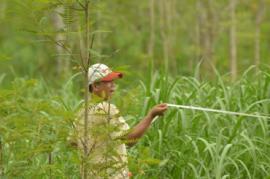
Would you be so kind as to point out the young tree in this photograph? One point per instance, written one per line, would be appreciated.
(85, 61)
(86, 39)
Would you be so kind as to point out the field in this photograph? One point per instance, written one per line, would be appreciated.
(211, 54)
(182, 144)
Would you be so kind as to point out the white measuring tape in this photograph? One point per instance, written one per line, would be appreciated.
(214, 110)
(217, 111)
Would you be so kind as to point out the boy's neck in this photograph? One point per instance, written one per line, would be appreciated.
(97, 98)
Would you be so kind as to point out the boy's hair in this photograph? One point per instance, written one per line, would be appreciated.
(90, 88)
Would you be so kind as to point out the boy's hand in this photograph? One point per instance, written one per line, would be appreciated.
(158, 110)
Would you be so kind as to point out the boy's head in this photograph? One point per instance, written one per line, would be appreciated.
(101, 80)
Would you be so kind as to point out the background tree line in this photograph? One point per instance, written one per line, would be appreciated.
(174, 35)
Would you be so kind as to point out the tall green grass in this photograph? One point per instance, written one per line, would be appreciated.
(194, 144)
(36, 120)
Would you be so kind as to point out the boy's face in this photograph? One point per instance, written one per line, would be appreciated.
(104, 89)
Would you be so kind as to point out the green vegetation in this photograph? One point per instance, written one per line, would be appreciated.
(192, 144)
(211, 54)
(35, 124)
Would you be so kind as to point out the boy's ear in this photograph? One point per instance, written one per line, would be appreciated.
(95, 86)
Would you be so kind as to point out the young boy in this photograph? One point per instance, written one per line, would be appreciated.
(107, 130)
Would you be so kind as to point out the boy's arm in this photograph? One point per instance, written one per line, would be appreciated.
(138, 131)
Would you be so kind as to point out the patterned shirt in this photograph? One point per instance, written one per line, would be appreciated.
(107, 154)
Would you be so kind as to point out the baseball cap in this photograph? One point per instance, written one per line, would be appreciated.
(101, 72)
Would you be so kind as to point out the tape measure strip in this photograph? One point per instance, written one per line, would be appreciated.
(217, 111)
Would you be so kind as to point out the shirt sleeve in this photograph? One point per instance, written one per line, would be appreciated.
(121, 128)
(124, 124)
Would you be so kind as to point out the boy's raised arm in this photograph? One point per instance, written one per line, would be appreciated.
(138, 131)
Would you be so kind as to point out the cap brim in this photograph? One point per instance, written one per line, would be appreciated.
(112, 76)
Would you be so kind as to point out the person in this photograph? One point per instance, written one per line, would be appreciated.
(108, 134)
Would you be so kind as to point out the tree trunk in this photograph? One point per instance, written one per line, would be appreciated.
(203, 37)
(258, 21)
(211, 30)
(3, 6)
(199, 31)
(59, 25)
(151, 44)
(98, 36)
(164, 34)
(233, 48)
(169, 12)
(207, 35)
